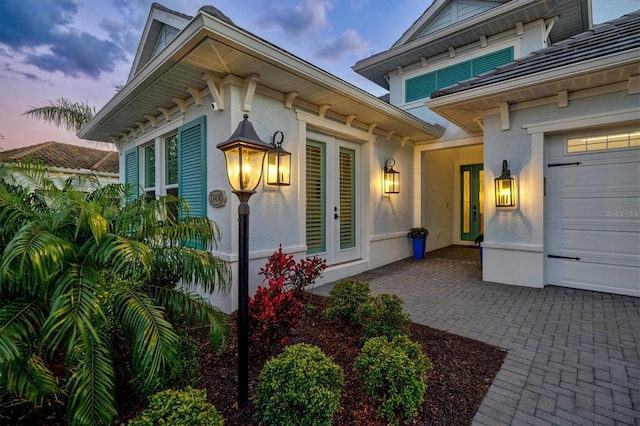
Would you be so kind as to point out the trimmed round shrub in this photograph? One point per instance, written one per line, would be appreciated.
(345, 298)
(301, 387)
(178, 408)
(383, 316)
(394, 374)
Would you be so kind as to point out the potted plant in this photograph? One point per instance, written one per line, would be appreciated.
(478, 240)
(419, 236)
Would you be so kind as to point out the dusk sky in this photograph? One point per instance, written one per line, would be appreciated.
(83, 49)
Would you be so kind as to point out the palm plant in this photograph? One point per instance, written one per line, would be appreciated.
(78, 271)
(64, 112)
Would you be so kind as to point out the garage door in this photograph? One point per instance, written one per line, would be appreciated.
(592, 212)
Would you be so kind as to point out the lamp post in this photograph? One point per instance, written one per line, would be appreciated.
(244, 154)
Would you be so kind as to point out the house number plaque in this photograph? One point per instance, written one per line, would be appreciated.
(217, 198)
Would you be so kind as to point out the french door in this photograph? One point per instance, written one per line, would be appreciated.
(472, 202)
(332, 192)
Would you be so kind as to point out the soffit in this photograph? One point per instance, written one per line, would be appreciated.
(573, 14)
(209, 45)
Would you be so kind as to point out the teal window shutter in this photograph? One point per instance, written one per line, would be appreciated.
(131, 175)
(420, 87)
(492, 60)
(451, 75)
(192, 170)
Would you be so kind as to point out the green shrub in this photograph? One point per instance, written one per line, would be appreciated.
(178, 408)
(345, 298)
(184, 373)
(299, 387)
(383, 316)
(394, 373)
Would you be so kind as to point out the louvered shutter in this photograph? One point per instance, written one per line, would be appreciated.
(315, 176)
(131, 175)
(192, 171)
(492, 60)
(347, 166)
(451, 75)
(420, 87)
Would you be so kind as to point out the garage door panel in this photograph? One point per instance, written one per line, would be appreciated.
(595, 276)
(592, 219)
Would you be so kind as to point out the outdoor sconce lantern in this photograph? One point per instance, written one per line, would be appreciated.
(505, 186)
(244, 153)
(391, 178)
(278, 162)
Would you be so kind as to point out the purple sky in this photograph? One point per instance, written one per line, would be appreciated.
(83, 49)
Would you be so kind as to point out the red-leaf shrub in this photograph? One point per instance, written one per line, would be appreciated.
(273, 312)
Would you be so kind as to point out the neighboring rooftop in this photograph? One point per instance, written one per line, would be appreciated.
(56, 154)
(605, 39)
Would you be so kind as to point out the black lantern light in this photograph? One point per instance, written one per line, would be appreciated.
(278, 162)
(244, 153)
(391, 183)
(505, 186)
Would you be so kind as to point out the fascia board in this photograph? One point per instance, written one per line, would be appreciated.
(427, 16)
(257, 47)
(442, 34)
(546, 77)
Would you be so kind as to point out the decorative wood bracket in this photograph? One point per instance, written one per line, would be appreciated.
(424, 61)
(197, 97)
(182, 104)
(125, 136)
(634, 85)
(249, 90)
(152, 119)
(141, 126)
(349, 119)
(213, 83)
(371, 127)
(400, 70)
(504, 115)
(166, 112)
(289, 98)
(322, 110)
(563, 98)
(479, 122)
(404, 140)
(483, 41)
(115, 140)
(452, 52)
(388, 135)
(133, 131)
(519, 28)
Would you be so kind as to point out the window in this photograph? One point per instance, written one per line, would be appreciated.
(603, 142)
(422, 86)
(167, 33)
(316, 221)
(150, 171)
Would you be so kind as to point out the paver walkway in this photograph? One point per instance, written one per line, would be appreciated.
(573, 355)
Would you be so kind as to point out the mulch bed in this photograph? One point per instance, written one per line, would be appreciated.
(463, 370)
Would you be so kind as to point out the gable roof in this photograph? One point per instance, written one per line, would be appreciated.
(159, 15)
(612, 37)
(74, 157)
(211, 48)
(574, 16)
(604, 56)
(434, 16)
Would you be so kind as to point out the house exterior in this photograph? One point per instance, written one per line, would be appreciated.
(527, 82)
(194, 78)
(65, 161)
(192, 81)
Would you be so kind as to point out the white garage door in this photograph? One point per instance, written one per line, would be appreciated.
(592, 213)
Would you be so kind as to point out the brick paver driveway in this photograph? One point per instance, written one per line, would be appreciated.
(573, 355)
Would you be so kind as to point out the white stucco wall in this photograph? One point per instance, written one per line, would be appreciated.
(514, 245)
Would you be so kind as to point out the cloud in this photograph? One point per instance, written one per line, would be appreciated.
(8, 70)
(334, 49)
(121, 34)
(41, 32)
(306, 17)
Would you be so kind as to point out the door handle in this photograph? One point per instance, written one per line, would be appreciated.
(474, 213)
(335, 213)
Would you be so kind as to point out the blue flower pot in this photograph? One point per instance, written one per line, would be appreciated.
(419, 246)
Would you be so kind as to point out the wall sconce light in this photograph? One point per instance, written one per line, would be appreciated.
(278, 162)
(391, 183)
(505, 186)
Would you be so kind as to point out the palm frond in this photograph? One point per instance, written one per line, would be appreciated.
(64, 113)
(32, 257)
(74, 308)
(150, 335)
(92, 385)
(20, 322)
(123, 256)
(31, 381)
(180, 303)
